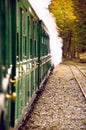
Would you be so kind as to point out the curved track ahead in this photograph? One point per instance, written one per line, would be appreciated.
(80, 78)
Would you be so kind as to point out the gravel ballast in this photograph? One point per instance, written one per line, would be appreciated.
(61, 105)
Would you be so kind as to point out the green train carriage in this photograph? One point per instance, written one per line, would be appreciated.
(25, 59)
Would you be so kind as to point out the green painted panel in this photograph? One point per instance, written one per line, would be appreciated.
(13, 33)
(20, 34)
(28, 38)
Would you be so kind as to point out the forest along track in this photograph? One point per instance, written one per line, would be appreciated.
(80, 78)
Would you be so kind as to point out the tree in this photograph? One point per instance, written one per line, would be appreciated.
(71, 23)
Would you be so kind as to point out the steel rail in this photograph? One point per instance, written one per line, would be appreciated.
(83, 92)
(80, 71)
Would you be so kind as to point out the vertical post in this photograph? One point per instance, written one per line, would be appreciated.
(39, 43)
(13, 31)
(2, 39)
(20, 41)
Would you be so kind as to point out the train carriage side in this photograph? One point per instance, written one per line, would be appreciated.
(24, 59)
(7, 60)
(44, 55)
(31, 58)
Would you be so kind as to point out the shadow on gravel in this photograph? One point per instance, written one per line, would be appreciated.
(23, 125)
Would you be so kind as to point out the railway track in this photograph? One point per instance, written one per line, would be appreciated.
(80, 78)
(61, 106)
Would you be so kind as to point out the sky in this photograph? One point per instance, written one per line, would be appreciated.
(41, 8)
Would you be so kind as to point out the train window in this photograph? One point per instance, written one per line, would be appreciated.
(31, 28)
(24, 32)
(35, 47)
(24, 27)
(45, 48)
(28, 38)
(24, 47)
(20, 34)
(6, 31)
(17, 47)
(30, 47)
(35, 39)
(42, 46)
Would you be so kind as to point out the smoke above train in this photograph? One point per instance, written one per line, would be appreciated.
(41, 8)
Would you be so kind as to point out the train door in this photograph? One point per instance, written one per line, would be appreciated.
(13, 57)
(33, 55)
(6, 62)
(3, 101)
(22, 56)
